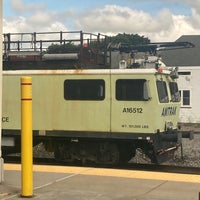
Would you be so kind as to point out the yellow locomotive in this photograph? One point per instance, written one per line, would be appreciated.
(98, 115)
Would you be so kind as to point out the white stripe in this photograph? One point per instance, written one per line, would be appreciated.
(83, 71)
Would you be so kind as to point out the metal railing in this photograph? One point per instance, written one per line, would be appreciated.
(78, 42)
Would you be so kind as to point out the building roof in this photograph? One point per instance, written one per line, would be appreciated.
(185, 56)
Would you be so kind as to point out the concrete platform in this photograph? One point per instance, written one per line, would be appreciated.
(83, 183)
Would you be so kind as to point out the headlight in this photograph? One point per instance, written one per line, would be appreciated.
(169, 125)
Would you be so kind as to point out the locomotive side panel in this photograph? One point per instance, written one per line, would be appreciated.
(144, 103)
(45, 101)
(11, 101)
(84, 103)
(132, 103)
(53, 109)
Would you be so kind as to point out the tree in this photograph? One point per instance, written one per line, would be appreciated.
(131, 39)
(70, 47)
(62, 48)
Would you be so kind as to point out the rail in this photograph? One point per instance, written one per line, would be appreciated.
(15, 159)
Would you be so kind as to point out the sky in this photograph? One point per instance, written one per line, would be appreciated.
(159, 20)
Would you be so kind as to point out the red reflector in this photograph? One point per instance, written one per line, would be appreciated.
(160, 69)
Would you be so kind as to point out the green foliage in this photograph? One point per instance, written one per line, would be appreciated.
(132, 39)
(62, 48)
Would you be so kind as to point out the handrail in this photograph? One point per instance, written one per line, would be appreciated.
(88, 46)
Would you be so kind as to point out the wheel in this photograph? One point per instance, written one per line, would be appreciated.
(58, 153)
(114, 154)
(127, 151)
(108, 154)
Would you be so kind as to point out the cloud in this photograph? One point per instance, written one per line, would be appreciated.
(32, 24)
(195, 4)
(32, 17)
(163, 26)
(40, 19)
(19, 6)
(109, 19)
(15, 25)
(112, 18)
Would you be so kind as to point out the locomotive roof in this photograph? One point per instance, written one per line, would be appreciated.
(85, 71)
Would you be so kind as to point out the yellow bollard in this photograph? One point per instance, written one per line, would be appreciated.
(26, 137)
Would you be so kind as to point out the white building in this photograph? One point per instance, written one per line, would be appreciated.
(188, 61)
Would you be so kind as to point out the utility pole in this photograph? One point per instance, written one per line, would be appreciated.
(1, 63)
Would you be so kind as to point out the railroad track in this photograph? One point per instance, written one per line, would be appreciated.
(128, 166)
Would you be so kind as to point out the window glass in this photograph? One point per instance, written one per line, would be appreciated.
(90, 89)
(186, 97)
(162, 91)
(132, 90)
(175, 96)
(184, 73)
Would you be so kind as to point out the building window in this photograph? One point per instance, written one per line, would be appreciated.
(184, 73)
(87, 89)
(185, 98)
(132, 90)
(162, 91)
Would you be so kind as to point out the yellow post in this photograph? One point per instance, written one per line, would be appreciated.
(26, 137)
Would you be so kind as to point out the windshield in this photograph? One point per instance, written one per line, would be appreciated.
(175, 96)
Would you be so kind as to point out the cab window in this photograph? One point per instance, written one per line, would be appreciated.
(162, 91)
(175, 95)
(132, 90)
(87, 89)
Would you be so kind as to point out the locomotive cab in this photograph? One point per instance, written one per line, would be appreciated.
(146, 109)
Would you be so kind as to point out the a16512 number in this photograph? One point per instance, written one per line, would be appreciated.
(132, 110)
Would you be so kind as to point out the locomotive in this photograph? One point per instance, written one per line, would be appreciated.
(97, 115)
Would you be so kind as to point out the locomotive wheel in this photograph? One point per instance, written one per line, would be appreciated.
(58, 153)
(114, 155)
(127, 151)
(108, 154)
(61, 153)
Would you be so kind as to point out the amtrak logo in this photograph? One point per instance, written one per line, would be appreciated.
(168, 111)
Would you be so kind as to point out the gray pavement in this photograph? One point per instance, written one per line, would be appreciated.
(76, 186)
